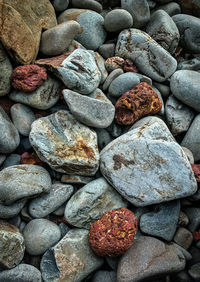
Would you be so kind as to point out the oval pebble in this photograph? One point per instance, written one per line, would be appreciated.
(117, 20)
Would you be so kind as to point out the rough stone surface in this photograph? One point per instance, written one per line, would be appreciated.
(71, 259)
(90, 202)
(146, 166)
(31, 180)
(117, 20)
(5, 72)
(66, 145)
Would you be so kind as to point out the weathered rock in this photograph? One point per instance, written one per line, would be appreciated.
(148, 56)
(11, 210)
(12, 245)
(114, 63)
(66, 145)
(71, 259)
(31, 180)
(117, 20)
(138, 166)
(5, 72)
(101, 65)
(90, 202)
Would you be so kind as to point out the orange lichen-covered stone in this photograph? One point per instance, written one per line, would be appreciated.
(196, 170)
(28, 78)
(113, 233)
(113, 63)
(137, 103)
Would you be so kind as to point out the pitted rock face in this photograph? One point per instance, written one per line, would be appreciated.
(65, 144)
(137, 103)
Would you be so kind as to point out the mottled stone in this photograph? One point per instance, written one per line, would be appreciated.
(75, 179)
(90, 202)
(5, 72)
(183, 237)
(12, 245)
(31, 181)
(71, 259)
(117, 20)
(66, 145)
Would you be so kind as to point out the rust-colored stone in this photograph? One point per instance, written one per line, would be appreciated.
(137, 103)
(196, 170)
(53, 62)
(28, 78)
(113, 233)
(129, 66)
(190, 7)
(114, 63)
(32, 159)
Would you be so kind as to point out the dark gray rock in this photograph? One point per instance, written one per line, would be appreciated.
(104, 275)
(11, 210)
(194, 272)
(60, 5)
(107, 50)
(13, 159)
(2, 158)
(101, 65)
(117, 20)
(192, 64)
(183, 237)
(193, 214)
(164, 89)
(112, 76)
(88, 4)
(104, 137)
(5, 72)
(171, 8)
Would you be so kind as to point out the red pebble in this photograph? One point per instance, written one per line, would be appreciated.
(129, 66)
(196, 170)
(27, 158)
(27, 78)
(113, 233)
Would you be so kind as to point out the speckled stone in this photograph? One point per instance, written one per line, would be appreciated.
(5, 72)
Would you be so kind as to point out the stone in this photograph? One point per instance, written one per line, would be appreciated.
(193, 214)
(113, 233)
(21, 25)
(11, 210)
(117, 20)
(184, 85)
(47, 203)
(138, 166)
(192, 64)
(192, 138)
(9, 138)
(75, 179)
(183, 219)
(162, 222)
(71, 259)
(79, 72)
(42, 98)
(31, 181)
(22, 117)
(90, 202)
(27, 158)
(164, 89)
(101, 65)
(178, 115)
(140, 101)
(28, 78)
(148, 56)
(149, 258)
(93, 34)
(88, 4)
(40, 235)
(13, 159)
(107, 50)
(2, 158)
(94, 110)
(57, 39)
(188, 27)
(194, 271)
(103, 137)
(163, 30)
(21, 273)
(66, 145)
(60, 5)
(139, 9)
(12, 245)
(114, 63)
(123, 83)
(190, 7)
(171, 8)
(104, 275)
(5, 72)
(151, 4)
(183, 237)
(111, 77)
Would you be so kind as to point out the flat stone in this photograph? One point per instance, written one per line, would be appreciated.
(66, 145)
(148, 56)
(71, 259)
(79, 72)
(11, 210)
(183, 237)
(40, 235)
(138, 166)
(90, 202)
(5, 72)
(32, 180)
(12, 245)
(162, 222)
(112, 76)
(42, 98)
(148, 258)
(94, 110)
(117, 20)
(60, 5)
(47, 203)
(75, 179)
(88, 4)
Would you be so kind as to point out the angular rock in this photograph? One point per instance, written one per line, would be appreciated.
(23, 181)
(71, 259)
(66, 145)
(90, 202)
(5, 72)
(148, 56)
(138, 166)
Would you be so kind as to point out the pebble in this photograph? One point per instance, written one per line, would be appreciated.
(2, 158)
(139, 9)
(60, 5)
(178, 115)
(56, 40)
(194, 271)
(183, 219)
(164, 89)
(93, 34)
(103, 136)
(31, 181)
(101, 65)
(60, 211)
(71, 259)
(66, 145)
(47, 203)
(40, 235)
(149, 57)
(151, 4)
(75, 179)
(171, 8)
(112, 76)
(79, 72)
(183, 237)
(162, 222)
(117, 20)
(139, 261)
(5, 72)
(22, 117)
(114, 63)
(192, 64)
(104, 275)
(88, 4)
(13, 159)
(150, 154)
(12, 245)
(42, 98)
(11, 210)
(90, 202)
(163, 30)
(193, 214)
(107, 50)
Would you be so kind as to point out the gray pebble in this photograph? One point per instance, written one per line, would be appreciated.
(192, 64)
(11, 210)
(114, 129)
(186, 254)
(107, 50)
(87, 4)
(2, 158)
(171, 8)
(16, 221)
(164, 89)
(5, 72)
(194, 271)
(75, 179)
(60, 211)
(101, 65)
(188, 154)
(104, 138)
(13, 159)
(151, 4)
(63, 229)
(40, 235)
(183, 237)
(114, 74)
(193, 214)
(104, 275)
(183, 219)
(162, 111)
(60, 5)
(117, 20)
